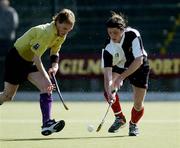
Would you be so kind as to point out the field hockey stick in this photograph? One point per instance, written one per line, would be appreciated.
(100, 125)
(58, 91)
(110, 104)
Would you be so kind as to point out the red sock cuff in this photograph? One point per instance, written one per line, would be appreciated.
(136, 115)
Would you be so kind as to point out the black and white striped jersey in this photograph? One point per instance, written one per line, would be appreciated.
(123, 54)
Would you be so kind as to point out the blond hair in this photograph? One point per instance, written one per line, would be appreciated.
(65, 16)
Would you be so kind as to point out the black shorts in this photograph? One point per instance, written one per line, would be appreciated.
(139, 78)
(16, 68)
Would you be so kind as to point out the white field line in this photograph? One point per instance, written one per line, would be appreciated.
(30, 121)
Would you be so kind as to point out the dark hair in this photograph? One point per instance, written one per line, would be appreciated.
(66, 16)
(116, 21)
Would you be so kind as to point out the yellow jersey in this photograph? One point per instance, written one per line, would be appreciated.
(37, 40)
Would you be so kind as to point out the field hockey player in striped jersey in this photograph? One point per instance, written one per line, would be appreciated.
(124, 58)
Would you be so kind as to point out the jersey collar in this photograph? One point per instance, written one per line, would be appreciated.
(54, 29)
(120, 43)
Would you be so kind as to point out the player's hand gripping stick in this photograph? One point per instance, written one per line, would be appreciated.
(110, 104)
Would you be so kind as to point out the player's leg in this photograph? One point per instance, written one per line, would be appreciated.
(139, 95)
(8, 93)
(139, 81)
(12, 72)
(38, 80)
(116, 107)
(48, 125)
(137, 110)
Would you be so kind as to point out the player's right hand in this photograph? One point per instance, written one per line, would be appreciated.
(49, 86)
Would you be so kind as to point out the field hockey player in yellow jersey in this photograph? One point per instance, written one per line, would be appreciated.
(23, 62)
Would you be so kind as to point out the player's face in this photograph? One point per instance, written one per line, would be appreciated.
(63, 29)
(115, 34)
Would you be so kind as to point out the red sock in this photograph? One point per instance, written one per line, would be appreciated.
(136, 115)
(116, 106)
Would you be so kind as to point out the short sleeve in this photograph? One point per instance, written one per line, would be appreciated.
(107, 58)
(38, 47)
(137, 47)
(38, 42)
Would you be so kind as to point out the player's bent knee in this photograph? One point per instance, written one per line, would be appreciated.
(6, 97)
(9, 98)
